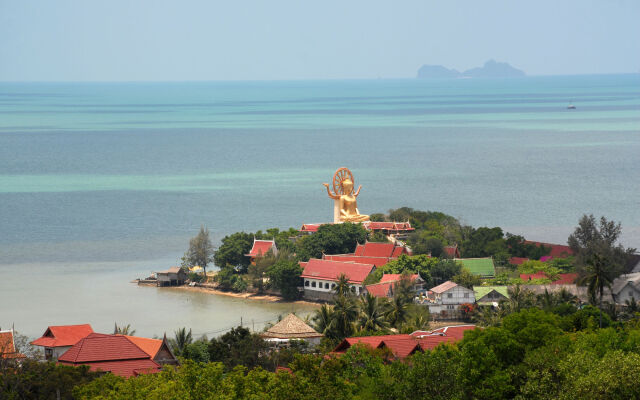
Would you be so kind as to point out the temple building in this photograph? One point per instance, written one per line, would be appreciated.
(320, 277)
(260, 248)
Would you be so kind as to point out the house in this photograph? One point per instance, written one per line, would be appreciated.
(518, 260)
(308, 229)
(58, 339)
(563, 279)
(446, 298)
(633, 263)
(174, 276)
(291, 328)
(110, 353)
(379, 249)
(625, 287)
(451, 251)
(8, 351)
(260, 248)
(404, 345)
(377, 261)
(397, 229)
(157, 349)
(490, 295)
(386, 286)
(320, 276)
(482, 267)
(557, 250)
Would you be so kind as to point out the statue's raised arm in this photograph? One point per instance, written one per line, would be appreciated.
(357, 191)
(333, 196)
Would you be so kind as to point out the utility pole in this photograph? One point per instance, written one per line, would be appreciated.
(241, 322)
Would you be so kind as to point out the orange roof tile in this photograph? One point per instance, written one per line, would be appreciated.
(63, 335)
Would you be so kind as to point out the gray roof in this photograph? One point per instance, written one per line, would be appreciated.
(620, 282)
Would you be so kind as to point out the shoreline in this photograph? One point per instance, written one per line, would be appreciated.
(249, 296)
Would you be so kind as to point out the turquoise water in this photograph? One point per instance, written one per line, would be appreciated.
(125, 173)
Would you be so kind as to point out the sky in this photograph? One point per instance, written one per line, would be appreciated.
(157, 40)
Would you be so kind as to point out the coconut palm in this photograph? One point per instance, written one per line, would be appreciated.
(323, 320)
(398, 311)
(488, 316)
(123, 330)
(518, 299)
(372, 312)
(598, 277)
(565, 296)
(345, 314)
(343, 288)
(181, 340)
(546, 300)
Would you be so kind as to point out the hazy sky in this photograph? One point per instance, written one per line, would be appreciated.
(302, 39)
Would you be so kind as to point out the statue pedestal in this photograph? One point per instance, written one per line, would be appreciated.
(336, 211)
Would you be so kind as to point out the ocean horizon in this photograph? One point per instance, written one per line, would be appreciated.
(110, 180)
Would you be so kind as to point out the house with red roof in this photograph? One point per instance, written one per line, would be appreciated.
(398, 229)
(157, 349)
(58, 339)
(557, 250)
(563, 279)
(386, 286)
(110, 353)
(378, 249)
(320, 277)
(403, 345)
(260, 248)
(308, 229)
(8, 351)
(451, 251)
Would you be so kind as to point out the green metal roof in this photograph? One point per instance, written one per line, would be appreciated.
(481, 291)
(478, 266)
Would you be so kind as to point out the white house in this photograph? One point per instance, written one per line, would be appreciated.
(447, 298)
(320, 277)
(626, 287)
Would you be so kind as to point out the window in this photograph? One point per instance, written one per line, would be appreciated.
(326, 285)
(451, 307)
(313, 284)
(466, 295)
(333, 285)
(449, 295)
(353, 289)
(306, 283)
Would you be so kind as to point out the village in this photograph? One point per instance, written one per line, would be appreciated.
(392, 287)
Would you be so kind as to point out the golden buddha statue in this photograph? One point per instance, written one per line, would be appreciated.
(345, 203)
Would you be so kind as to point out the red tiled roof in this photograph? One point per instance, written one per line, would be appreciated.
(456, 331)
(537, 275)
(443, 287)
(114, 353)
(376, 249)
(396, 277)
(63, 335)
(402, 347)
(373, 341)
(517, 260)
(331, 270)
(149, 346)
(557, 250)
(261, 247)
(310, 227)
(452, 251)
(124, 368)
(380, 289)
(563, 279)
(377, 261)
(389, 226)
(7, 346)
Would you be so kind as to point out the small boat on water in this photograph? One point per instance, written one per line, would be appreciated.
(571, 106)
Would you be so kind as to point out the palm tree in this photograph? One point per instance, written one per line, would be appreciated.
(371, 314)
(487, 316)
(546, 300)
(343, 288)
(398, 311)
(123, 330)
(345, 314)
(565, 296)
(518, 299)
(597, 278)
(181, 340)
(323, 320)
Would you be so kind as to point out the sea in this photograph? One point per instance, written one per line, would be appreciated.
(102, 183)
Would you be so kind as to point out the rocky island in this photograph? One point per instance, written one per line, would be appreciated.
(490, 69)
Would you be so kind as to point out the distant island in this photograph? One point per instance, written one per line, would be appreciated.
(490, 69)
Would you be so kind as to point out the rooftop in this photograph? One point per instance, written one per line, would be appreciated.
(331, 270)
(478, 266)
(63, 335)
(443, 287)
(291, 327)
(261, 247)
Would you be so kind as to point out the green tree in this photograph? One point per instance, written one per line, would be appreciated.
(343, 287)
(123, 330)
(197, 351)
(181, 339)
(201, 251)
(285, 276)
(598, 276)
(331, 239)
(372, 314)
(398, 311)
(467, 279)
(345, 315)
(237, 347)
(233, 249)
(323, 320)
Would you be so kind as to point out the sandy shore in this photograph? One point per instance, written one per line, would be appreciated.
(250, 296)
